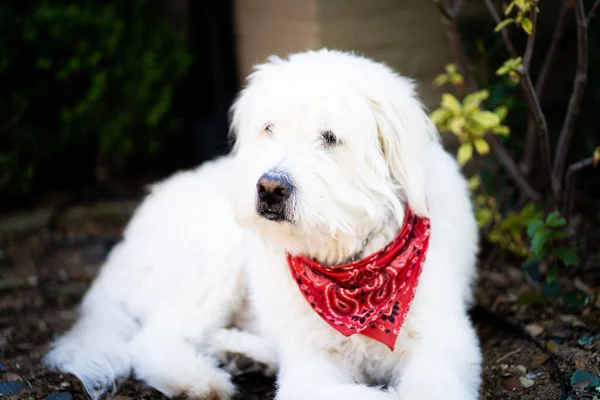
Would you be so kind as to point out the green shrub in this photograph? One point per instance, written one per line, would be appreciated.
(95, 78)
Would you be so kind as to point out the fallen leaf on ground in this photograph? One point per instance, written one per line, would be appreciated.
(552, 346)
(539, 359)
(512, 384)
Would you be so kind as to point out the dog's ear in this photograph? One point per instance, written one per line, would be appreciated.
(405, 131)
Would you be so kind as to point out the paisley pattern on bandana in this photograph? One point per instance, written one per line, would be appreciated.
(370, 296)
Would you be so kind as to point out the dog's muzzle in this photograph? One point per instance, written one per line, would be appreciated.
(273, 191)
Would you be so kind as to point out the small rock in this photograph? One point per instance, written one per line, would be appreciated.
(11, 376)
(521, 368)
(585, 339)
(533, 375)
(526, 382)
(534, 329)
(11, 387)
(582, 379)
(539, 359)
(512, 384)
(579, 364)
(552, 346)
(59, 396)
(503, 367)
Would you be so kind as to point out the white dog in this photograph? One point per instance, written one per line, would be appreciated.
(335, 159)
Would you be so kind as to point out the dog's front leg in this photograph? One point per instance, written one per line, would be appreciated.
(443, 362)
(310, 375)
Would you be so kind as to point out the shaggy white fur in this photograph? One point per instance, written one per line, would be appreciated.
(201, 273)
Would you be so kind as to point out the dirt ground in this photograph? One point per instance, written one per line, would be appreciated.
(48, 261)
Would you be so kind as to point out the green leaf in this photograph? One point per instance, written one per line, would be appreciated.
(567, 255)
(501, 130)
(539, 240)
(552, 275)
(456, 125)
(533, 227)
(465, 152)
(440, 80)
(501, 112)
(504, 23)
(486, 119)
(451, 104)
(555, 220)
(474, 182)
(473, 100)
(482, 146)
(596, 156)
(439, 116)
(527, 25)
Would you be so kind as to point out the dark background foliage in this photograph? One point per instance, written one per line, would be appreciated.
(87, 89)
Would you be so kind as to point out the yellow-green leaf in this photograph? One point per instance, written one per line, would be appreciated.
(440, 80)
(456, 79)
(474, 182)
(439, 116)
(473, 100)
(482, 146)
(501, 130)
(465, 152)
(504, 23)
(486, 119)
(514, 76)
(596, 156)
(501, 112)
(456, 125)
(527, 25)
(450, 103)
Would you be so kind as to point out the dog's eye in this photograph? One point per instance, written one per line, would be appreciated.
(268, 128)
(329, 139)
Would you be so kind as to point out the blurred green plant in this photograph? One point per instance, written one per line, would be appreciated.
(90, 77)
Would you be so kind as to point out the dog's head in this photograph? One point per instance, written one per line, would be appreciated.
(329, 147)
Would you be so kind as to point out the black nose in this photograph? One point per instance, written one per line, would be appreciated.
(273, 188)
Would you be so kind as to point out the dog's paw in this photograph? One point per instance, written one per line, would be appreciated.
(217, 387)
(239, 363)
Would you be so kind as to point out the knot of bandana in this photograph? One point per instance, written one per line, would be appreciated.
(370, 296)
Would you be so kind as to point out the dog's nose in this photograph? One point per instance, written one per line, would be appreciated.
(273, 188)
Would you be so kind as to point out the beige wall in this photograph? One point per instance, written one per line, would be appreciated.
(405, 34)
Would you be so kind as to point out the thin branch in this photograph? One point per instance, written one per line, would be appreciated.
(541, 127)
(504, 31)
(567, 205)
(592, 12)
(557, 36)
(564, 140)
(460, 57)
(530, 41)
(512, 169)
(548, 63)
(533, 104)
(449, 18)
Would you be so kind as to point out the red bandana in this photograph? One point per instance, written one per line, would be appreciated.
(370, 296)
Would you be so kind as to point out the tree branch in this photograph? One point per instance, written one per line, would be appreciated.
(592, 12)
(564, 140)
(541, 127)
(548, 63)
(504, 31)
(567, 203)
(449, 18)
(530, 41)
(460, 57)
(535, 110)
